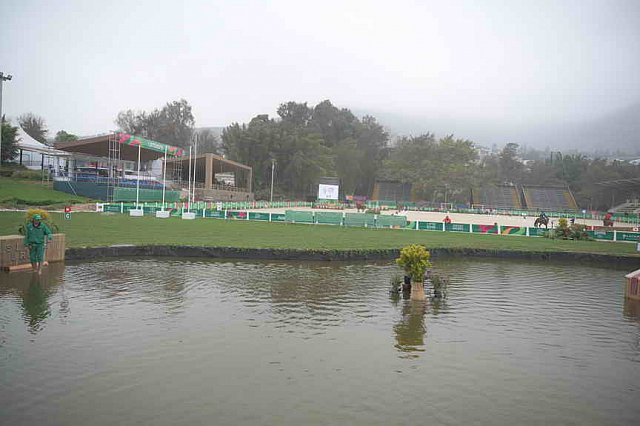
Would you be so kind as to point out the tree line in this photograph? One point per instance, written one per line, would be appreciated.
(307, 142)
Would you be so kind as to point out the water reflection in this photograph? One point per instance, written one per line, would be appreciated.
(140, 280)
(411, 330)
(631, 310)
(35, 291)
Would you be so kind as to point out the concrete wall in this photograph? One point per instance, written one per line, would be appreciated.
(13, 252)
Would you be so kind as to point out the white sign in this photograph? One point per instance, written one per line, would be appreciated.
(328, 192)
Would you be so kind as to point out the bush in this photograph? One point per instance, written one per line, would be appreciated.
(415, 261)
(27, 174)
(566, 232)
(45, 218)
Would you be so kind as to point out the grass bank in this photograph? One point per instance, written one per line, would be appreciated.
(97, 230)
(18, 192)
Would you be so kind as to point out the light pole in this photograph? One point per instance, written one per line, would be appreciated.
(3, 78)
(273, 167)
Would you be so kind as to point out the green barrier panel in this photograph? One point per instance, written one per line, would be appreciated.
(537, 232)
(628, 236)
(601, 235)
(298, 217)
(329, 218)
(278, 217)
(129, 194)
(391, 221)
(430, 226)
(485, 229)
(151, 210)
(113, 208)
(217, 214)
(239, 215)
(359, 219)
(513, 230)
(458, 227)
(258, 216)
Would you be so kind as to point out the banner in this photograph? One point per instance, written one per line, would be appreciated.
(513, 230)
(430, 226)
(131, 140)
(628, 236)
(457, 227)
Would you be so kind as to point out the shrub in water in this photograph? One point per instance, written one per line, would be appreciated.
(414, 259)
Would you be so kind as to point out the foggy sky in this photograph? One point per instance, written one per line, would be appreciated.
(513, 64)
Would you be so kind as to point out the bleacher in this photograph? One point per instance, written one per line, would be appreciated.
(389, 190)
(496, 197)
(549, 198)
(630, 207)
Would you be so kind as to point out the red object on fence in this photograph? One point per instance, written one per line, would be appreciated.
(67, 209)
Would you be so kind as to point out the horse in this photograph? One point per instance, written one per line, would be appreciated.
(541, 221)
(360, 206)
(607, 222)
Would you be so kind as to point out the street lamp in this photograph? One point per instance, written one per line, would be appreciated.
(3, 78)
(273, 167)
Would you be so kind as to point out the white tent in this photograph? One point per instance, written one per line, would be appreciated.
(38, 155)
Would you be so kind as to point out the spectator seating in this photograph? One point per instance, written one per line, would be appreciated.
(549, 198)
(497, 197)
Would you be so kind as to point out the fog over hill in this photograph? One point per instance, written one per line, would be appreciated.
(611, 133)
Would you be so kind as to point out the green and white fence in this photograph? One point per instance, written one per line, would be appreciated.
(362, 220)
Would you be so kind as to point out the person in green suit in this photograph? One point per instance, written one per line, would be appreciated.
(36, 236)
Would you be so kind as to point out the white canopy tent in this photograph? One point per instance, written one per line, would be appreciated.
(39, 155)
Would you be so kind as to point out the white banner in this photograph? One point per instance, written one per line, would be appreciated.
(328, 192)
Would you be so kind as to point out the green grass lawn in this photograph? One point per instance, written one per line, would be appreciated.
(92, 229)
(15, 192)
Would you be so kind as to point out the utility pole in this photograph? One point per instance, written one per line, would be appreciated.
(273, 167)
(3, 78)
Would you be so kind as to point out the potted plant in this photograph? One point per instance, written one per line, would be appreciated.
(414, 259)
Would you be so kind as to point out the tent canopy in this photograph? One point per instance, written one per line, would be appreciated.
(27, 143)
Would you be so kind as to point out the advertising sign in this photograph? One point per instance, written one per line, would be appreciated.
(327, 192)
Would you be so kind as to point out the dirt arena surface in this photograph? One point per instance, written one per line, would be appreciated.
(479, 219)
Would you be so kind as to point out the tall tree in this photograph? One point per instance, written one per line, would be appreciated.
(63, 136)
(9, 141)
(511, 168)
(208, 142)
(34, 126)
(437, 169)
(173, 124)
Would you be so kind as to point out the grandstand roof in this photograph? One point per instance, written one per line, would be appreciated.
(98, 146)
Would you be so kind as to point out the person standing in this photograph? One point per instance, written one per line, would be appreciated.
(36, 236)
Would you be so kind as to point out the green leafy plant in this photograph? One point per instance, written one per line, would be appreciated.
(565, 231)
(45, 218)
(414, 259)
(439, 284)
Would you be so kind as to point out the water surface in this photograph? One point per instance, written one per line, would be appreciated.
(165, 341)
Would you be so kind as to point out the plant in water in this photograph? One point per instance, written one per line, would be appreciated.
(439, 284)
(414, 259)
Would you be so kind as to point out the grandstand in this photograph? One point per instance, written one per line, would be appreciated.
(548, 198)
(629, 207)
(496, 197)
(391, 191)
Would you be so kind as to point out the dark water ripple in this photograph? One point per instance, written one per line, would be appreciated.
(197, 342)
